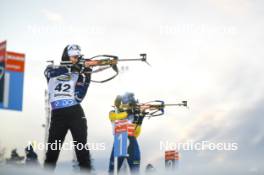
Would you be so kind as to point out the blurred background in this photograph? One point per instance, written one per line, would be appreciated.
(208, 52)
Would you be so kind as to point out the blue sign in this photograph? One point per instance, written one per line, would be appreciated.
(120, 144)
(12, 81)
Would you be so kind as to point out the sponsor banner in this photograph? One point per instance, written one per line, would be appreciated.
(2, 69)
(13, 81)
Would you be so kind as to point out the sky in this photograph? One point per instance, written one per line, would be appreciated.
(208, 52)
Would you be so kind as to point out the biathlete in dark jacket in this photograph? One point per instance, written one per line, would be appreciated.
(67, 88)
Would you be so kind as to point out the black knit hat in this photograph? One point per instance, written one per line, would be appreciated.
(65, 56)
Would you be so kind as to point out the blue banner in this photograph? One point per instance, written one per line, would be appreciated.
(120, 144)
(13, 80)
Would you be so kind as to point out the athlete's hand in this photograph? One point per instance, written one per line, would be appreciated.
(86, 64)
(90, 63)
(76, 68)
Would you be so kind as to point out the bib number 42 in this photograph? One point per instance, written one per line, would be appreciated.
(63, 87)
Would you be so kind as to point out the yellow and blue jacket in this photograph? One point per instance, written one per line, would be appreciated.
(133, 118)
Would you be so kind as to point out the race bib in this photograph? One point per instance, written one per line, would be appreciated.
(62, 90)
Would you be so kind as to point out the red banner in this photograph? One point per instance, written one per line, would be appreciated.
(125, 126)
(120, 126)
(2, 51)
(131, 129)
(15, 62)
(172, 155)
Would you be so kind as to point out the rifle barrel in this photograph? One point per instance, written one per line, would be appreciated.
(136, 59)
(179, 104)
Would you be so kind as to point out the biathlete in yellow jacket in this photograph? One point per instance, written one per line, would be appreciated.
(124, 110)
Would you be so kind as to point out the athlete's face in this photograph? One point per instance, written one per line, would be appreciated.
(74, 59)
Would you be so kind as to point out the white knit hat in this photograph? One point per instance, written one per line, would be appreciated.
(74, 50)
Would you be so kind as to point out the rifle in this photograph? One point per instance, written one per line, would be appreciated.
(156, 108)
(100, 63)
(150, 109)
